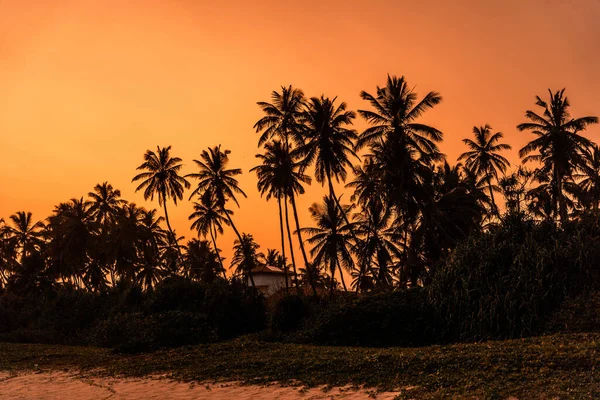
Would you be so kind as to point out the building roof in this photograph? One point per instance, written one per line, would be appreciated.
(268, 269)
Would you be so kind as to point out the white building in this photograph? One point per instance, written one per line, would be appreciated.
(268, 279)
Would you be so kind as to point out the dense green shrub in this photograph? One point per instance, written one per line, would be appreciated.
(507, 282)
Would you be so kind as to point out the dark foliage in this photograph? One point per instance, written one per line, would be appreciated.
(506, 283)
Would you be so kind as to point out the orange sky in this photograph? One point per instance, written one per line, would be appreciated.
(87, 86)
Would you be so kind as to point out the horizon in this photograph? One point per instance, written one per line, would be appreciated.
(87, 89)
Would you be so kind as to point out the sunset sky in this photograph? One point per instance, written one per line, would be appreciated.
(87, 86)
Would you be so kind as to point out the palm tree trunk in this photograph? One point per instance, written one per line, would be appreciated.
(494, 207)
(332, 194)
(171, 229)
(332, 269)
(342, 276)
(289, 233)
(287, 284)
(240, 239)
(302, 249)
(214, 240)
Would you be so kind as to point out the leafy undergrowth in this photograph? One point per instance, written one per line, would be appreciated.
(560, 365)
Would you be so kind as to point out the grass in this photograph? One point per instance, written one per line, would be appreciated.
(560, 365)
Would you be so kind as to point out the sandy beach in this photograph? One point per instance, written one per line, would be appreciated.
(62, 385)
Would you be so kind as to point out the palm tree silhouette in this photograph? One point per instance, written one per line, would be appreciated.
(208, 220)
(558, 146)
(201, 262)
(218, 182)
(245, 256)
(280, 176)
(162, 179)
(395, 111)
(329, 142)
(330, 237)
(282, 117)
(483, 157)
(105, 202)
(25, 233)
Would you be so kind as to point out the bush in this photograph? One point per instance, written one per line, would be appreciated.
(137, 332)
(401, 318)
(506, 283)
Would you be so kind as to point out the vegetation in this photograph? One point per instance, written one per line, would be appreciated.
(436, 252)
(557, 366)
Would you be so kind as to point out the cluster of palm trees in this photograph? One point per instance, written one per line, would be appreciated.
(409, 207)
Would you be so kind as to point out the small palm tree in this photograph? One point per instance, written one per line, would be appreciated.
(105, 202)
(162, 179)
(558, 147)
(218, 182)
(209, 219)
(246, 256)
(589, 179)
(201, 262)
(330, 237)
(25, 233)
(483, 157)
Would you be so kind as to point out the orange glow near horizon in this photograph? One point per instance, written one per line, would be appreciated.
(86, 87)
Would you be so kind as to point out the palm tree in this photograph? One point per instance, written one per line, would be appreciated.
(209, 220)
(558, 146)
(330, 237)
(245, 256)
(105, 202)
(395, 113)
(280, 176)
(25, 233)
(483, 157)
(589, 179)
(201, 262)
(218, 182)
(162, 179)
(330, 142)
(282, 117)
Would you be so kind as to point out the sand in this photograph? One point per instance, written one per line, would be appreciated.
(70, 386)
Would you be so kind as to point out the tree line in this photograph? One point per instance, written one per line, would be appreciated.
(408, 210)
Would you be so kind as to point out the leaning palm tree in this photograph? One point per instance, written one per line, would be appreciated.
(331, 237)
(330, 141)
(105, 202)
(209, 219)
(162, 179)
(558, 146)
(281, 119)
(246, 256)
(218, 182)
(483, 157)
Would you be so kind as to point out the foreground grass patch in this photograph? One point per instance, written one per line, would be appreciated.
(564, 366)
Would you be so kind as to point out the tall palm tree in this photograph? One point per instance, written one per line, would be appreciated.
(25, 233)
(162, 179)
(558, 146)
(282, 117)
(246, 256)
(280, 176)
(483, 157)
(330, 237)
(218, 182)
(209, 219)
(330, 141)
(105, 202)
(395, 113)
